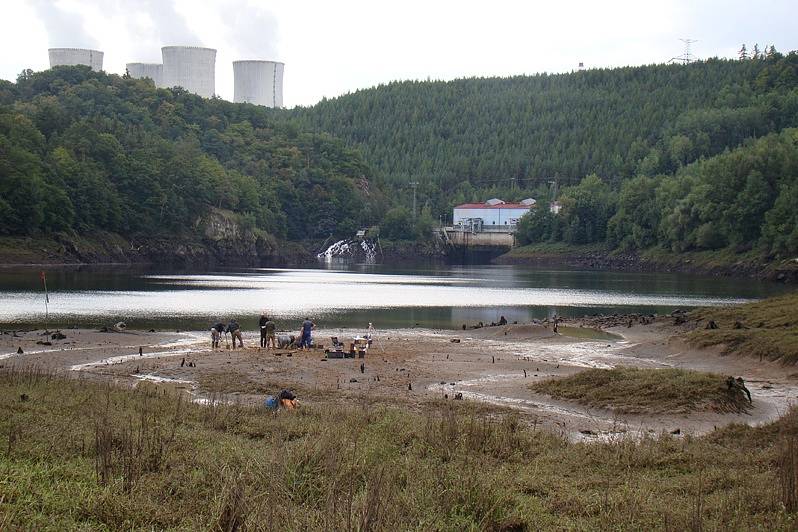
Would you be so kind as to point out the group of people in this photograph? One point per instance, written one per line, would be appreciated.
(232, 328)
(268, 335)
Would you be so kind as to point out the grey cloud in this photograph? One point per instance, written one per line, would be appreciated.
(170, 26)
(252, 31)
(64, 28)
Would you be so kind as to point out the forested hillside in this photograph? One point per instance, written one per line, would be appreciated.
(612, 122)
(744, 199)
(81, 150)
(682, 157)
(650, 146)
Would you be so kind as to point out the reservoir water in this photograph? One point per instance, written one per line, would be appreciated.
(351, 295)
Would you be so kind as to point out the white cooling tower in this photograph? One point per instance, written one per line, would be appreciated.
(258, 82)
(154, 71)
(76, 56)
(190, 67)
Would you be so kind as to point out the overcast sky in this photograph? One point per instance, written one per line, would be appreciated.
(331, 47)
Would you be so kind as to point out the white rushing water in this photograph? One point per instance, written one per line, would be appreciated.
(338, 249)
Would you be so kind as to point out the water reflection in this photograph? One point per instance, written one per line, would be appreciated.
(353, 295)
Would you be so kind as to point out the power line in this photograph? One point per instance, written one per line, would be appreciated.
(687, 56)
(514, 180)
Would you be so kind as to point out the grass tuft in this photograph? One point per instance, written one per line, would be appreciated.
(636, 391)
(765, 329)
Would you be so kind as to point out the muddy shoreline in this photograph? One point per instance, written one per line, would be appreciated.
(492, 366)
(101, 250)
(62, 251)
(219, 241)
(785, 271)
(109, 249)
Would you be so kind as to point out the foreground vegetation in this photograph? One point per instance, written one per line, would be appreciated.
(765, 329)
(78, 454)
(652, 391)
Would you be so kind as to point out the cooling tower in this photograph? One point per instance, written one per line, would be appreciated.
(76, 56)
(190, 67)
(258, 82)
(154, 71)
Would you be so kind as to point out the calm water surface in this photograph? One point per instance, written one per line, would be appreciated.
(438, 296)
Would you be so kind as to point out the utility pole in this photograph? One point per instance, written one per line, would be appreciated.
(414, 184)
(553, 184)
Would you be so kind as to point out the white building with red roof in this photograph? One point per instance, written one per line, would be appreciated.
(492, 213)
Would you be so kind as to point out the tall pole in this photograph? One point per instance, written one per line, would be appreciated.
(414, 184)
(688, 57)
(43, 277)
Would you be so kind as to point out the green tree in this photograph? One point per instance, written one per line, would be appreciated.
(586, 209)
(780, 231)
(537, 225)
(636, 222)
(398, 224)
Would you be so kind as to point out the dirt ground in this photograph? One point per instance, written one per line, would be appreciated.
(492, 365)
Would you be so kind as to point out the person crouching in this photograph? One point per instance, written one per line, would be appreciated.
(216, 334)
(286, 341)
(235, 332)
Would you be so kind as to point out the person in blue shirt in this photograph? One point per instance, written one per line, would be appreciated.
(305, 333)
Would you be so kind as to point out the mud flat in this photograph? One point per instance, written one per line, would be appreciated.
(493, 366)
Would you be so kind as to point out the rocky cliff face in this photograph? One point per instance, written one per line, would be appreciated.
(227, 240)
(220, 238)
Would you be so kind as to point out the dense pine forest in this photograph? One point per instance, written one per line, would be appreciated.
(693, 156)
(83, 151)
